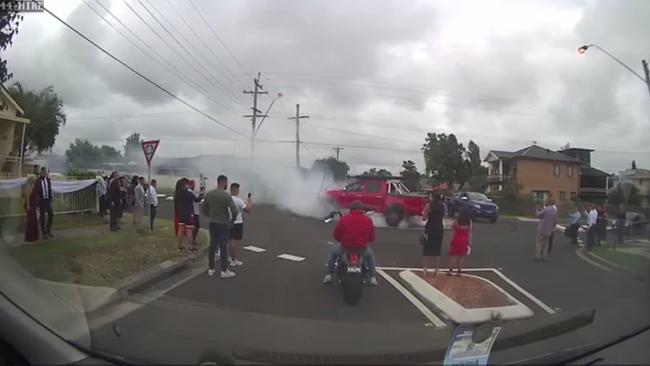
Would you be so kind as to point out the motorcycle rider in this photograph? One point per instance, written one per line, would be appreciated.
(354, 231)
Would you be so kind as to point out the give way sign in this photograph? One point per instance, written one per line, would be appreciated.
(149, 148)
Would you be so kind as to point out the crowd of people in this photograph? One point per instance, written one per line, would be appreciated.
(116, 195)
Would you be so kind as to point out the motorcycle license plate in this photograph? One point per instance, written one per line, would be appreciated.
(354, 270)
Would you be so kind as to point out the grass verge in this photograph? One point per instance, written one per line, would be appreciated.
(100, 260)
(634, 263)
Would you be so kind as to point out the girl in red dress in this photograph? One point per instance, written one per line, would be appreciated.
(31, 228)
(460, 243)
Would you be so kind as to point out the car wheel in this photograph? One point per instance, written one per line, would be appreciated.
(394, 216)
(493, 220)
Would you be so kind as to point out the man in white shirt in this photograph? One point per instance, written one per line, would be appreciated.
(196, 212)
(138, 203)
(152, 199)
(101, 189)
(237, 231)
(592, 217)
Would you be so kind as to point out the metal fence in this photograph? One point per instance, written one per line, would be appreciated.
(12, 202)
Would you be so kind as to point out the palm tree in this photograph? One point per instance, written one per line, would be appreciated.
(44, 109)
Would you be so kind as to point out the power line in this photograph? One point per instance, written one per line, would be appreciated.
(205, 45)
(207, 71)
(171, 68)
(419, 89)
(222, 103)
(138, 73)
(220, 40)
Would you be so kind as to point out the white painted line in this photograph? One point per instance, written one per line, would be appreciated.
(291, 257)
(439, 324)
(524, 292)
(441, 269)
(459, 313)
(499, 273)
(255, 249)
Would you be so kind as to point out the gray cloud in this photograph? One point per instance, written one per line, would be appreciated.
(362, 65)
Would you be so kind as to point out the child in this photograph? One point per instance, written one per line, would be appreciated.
(460, 242)
(619, 229)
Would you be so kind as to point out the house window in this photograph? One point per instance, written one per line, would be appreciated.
(562, 196)
(556, 170)
(569, 170)
(540, 196)
(573, 196)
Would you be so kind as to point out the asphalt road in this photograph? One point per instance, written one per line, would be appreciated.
(278, 305)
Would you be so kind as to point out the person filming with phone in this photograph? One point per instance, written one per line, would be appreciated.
(237, 232)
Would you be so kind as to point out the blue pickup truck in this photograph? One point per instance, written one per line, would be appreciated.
(477, 203)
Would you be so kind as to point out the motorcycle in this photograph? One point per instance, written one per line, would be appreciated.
(352, 272)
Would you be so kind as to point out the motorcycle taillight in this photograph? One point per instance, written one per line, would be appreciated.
(354, 259)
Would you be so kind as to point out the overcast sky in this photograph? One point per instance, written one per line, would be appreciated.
(375, 73)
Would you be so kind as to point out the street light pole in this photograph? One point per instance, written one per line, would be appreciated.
(644, 63)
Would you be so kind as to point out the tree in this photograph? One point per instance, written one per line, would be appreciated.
(83, 154)
(133, 148)
(410, 175)
(373, 172)
(478, 173)
(44, 110)
(338, 169)
(633, 165)
(9, 21)
(443, 156)
(617, 195)
(110, 154)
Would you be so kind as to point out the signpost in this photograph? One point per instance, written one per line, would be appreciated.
(149, 148)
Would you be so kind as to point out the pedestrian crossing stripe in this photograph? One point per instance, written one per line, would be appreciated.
(255, 249)
(291, 257)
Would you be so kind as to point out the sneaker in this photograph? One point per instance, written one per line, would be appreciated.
(373, 281)
(236, 263)
(327, 279)
(227, 274)
(211, 272)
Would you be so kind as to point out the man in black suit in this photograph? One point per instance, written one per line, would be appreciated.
(44, 194)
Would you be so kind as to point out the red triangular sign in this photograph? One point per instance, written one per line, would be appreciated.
(149, 148)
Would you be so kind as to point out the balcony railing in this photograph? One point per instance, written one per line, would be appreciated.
(593, 190)
(496, 178)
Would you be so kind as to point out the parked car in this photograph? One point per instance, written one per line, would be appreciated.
(384, 195)
(477, 203)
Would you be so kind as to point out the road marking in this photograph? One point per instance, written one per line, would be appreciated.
(441, 269)
(255, 249)
(496, 271)
(530, 296)
(290, 257)
(439, 324)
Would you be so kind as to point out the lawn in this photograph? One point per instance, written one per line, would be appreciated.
(634, 263)
(103, 259)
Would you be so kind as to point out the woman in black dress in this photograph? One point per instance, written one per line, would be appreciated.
(433, 230)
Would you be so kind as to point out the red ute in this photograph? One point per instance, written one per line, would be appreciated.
(386, 195)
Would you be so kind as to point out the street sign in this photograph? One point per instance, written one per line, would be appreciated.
(149, 149)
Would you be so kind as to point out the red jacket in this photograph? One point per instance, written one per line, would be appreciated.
(355, 230)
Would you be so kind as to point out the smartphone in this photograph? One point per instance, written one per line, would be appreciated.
(250, 195)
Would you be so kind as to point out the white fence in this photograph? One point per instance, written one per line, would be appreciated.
(12, 202)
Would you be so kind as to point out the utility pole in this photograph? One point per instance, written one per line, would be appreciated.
(647, 73)
(258, 89)
(337, 149)
(297, 118)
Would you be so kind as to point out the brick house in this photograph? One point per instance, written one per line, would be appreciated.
(593, 182)
(541, 172)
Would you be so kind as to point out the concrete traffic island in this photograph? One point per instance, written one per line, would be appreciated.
(465, 299)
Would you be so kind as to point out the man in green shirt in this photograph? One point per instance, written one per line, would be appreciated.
(221, 211)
